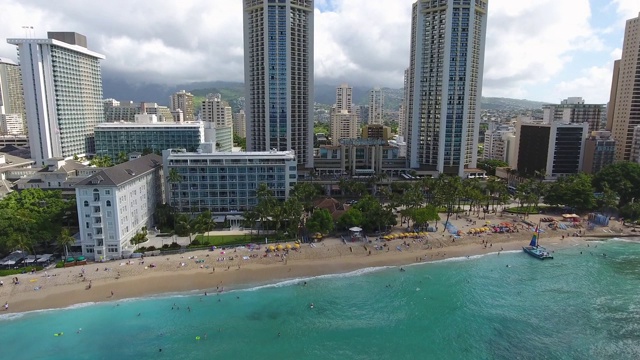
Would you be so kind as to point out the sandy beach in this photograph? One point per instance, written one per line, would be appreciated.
(213, 271)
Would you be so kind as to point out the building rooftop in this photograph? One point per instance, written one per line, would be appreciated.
(238, 155)
(7, 61)
(128, 124)
(77, 48)
(122, 173)
(11, 161)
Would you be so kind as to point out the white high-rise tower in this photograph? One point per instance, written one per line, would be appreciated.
(376, 106)
(445, 82)
(278, 68)
(62, 92)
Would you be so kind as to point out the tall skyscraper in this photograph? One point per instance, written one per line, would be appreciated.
(376, 106)
(404, 113)
(445, 81)
(11, 93)
(183, 100)
(344, 98)
(278, 75)
(624, 109)
(63, 94)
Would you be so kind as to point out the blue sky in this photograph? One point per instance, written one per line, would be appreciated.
(543, 50)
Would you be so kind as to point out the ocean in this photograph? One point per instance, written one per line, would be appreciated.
(509, 306)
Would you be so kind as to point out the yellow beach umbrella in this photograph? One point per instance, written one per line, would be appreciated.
(288, 246)
(279, 247)
(296, 245)
(272, 248)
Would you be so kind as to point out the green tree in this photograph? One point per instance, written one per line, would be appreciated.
(305, 193)
(631, 213)
(265, 206)
(35, 214)
(147, 151)
(164, 215)
(574, 191)
(351, 217)
(65, 240)
(423, 215)
(140, 237)
(607, 200)
(374, 215)
(101, 161)
(448, 191)
(490, 165)
(122, 157)
(622, 178)
(240, 141)
(320, 221)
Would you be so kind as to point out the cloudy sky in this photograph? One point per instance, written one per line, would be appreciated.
(542, 50)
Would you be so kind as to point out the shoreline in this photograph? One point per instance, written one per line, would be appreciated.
(182, 275)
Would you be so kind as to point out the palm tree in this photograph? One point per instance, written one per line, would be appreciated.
(174, 176)
(122, 157)
(266, 203)
(65, 240)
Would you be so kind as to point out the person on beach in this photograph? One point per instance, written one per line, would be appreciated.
(6, 306)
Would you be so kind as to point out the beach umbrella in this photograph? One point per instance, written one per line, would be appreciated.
(279, 247)
(296, 245)
(272, 248)
(288, 246)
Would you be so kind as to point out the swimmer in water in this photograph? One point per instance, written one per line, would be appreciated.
(311, 306)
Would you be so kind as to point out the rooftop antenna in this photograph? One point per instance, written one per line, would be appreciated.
(28, 31)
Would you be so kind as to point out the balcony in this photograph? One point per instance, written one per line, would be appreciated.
(97, 225)
(96, 214)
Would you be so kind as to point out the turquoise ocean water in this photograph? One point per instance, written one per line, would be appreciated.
(577, 306)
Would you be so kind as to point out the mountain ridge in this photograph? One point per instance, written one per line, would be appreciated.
(323, 94)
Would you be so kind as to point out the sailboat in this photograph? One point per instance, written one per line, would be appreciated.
(536, 250)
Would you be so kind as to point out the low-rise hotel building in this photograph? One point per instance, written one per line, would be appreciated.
(115, 204)
(225, 182)
(146, 134)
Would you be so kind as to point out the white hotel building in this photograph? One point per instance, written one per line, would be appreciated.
(62, 94)
(226, 182)
(116, 203)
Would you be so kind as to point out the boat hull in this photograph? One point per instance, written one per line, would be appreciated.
(537, 252)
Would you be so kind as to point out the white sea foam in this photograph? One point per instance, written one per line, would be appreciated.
(297, 281)
(628, 240)
(464, 258)
(15, 316)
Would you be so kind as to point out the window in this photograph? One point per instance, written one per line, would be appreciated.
(87, 224)
(107, 192)
(86, 203)
(108, 202)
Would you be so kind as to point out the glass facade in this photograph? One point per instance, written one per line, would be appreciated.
(111, 140)
(225, 183)
(279, 75)
(445, 80)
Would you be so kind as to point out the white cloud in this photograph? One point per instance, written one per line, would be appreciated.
(531, 42)
(627, 8)
(593, 85)
(362, 42)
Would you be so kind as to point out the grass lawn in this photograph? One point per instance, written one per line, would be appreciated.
(225, 240)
